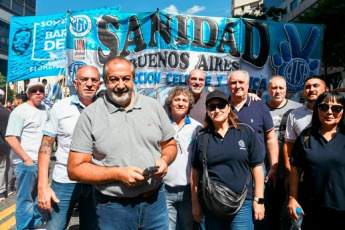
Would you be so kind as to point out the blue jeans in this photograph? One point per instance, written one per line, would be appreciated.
(132, 213)
(179, 204)
(69, 195)
(243, 220)
(28, 214)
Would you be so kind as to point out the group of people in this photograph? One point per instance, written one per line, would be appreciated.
(290, 155)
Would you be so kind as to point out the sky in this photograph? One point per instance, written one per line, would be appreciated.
(212, 8)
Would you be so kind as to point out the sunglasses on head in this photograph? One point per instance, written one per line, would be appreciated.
(334, 108)
(35, 90)
(220, 105)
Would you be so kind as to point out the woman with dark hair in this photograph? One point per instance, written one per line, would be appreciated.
(319, 152)
(232, 156)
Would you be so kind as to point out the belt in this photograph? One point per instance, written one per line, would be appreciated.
(142, 195)
(148, 193)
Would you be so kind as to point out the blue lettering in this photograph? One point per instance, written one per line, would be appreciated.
(208, 80)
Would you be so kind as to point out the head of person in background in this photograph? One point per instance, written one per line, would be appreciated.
(44, 81)
(35, 92)
(178, 103)
(87, 82)
(118, 77)
(196, 82)
(238, 83)
(314, 86)
(329, 112)
(9, 104)
(277, 91)
(20, 99)
(218, 111)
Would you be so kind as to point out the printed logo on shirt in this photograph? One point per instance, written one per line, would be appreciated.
(242, 145)
(251, 120)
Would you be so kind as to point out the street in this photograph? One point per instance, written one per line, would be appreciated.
(7, 211)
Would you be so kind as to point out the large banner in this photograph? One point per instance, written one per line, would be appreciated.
(37, 47)
(166, 47)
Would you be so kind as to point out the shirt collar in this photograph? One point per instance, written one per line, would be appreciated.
(186, 121)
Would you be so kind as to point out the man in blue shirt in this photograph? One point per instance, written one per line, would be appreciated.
(257, 115)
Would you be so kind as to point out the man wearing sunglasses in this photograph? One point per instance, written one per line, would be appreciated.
(24, 135)
(61, 197)
(300, 118)
(256, 115)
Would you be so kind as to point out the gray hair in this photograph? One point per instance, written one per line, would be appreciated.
(243, 71)
(105, 67)
(175, 92)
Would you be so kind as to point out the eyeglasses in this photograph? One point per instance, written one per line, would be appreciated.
(35, 90)
(335, 108)
(220, 105)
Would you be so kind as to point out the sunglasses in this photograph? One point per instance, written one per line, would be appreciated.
(334, 108)
(35, 90)
(220, 105)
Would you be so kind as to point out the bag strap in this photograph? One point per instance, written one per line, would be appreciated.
(204, 162)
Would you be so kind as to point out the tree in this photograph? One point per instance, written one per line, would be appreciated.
(330, 14)
(262, 13)
(10, 94)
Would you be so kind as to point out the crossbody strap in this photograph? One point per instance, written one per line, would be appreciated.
(204, 162)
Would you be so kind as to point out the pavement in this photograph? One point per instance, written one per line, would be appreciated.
(7, 210)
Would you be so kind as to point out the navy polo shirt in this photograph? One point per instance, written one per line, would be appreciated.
(256, 115)
(323, 163)
(229, 159)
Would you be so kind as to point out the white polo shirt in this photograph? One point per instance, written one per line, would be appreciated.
(60, 124)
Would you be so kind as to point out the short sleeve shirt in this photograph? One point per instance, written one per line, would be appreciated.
(229, 159)
(26, 122)
(256, 115)
(179, 171)
(297, 121)
(116, 137)
(323, 164)
(60, 124)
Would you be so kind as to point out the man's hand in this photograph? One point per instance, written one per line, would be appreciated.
(254, 97)
(44, 198)
(162, 170)
(197, 211)
(272, 175)
(28, 162)
(131, 176)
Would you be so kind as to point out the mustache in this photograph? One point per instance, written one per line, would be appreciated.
(124, 90)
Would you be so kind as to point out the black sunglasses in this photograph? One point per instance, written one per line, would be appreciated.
(220, 105)
(334, 108)
(35, 90)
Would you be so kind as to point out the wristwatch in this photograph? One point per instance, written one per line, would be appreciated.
(259, 200)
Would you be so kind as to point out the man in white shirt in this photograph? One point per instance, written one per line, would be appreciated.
(24, 135)
(61, 197)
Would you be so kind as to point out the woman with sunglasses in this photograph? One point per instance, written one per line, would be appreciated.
(319, 152)
(232, 155)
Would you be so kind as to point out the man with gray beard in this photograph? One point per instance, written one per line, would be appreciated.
(115, 139)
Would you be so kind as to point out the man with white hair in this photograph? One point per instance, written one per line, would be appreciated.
(256, 115)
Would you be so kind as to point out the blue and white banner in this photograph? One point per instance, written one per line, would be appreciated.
(166, 47)
(37, 47)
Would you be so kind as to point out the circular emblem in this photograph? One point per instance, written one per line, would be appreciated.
(72, 70)
(80, 25)
(296, 72)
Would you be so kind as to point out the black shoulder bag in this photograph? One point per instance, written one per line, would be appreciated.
(217, 198)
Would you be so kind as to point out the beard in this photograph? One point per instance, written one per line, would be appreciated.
(196, 90)
(120, 100)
